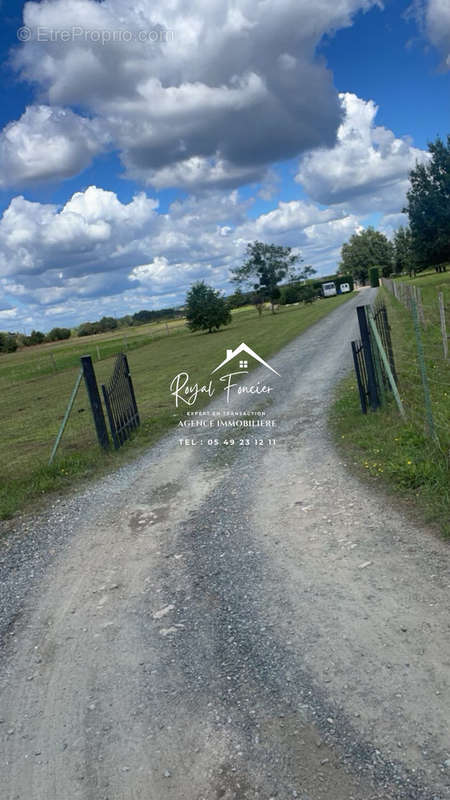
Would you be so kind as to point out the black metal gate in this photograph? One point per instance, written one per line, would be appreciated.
(361, 374)
(371, 374)
(384, 329)
(120, 402)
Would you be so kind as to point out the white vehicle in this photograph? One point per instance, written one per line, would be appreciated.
(345, 287)
(329, 289)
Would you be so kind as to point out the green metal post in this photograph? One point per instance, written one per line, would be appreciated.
(377, 362)
(443, 324)
(387, 366)
(66, 415)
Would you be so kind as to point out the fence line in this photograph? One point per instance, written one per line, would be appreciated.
(420, 353)
(428, 312)
(39, 363)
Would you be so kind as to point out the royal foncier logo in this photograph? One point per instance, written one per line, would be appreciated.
(186, 391)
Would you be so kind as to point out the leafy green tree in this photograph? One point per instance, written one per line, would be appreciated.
(107, 324)
(238, 299)
(366, 249)
(374, 277)
(429, 207)
(307, 294)
(58, 333)
(8, 342)
(266, 265)
(126, 321)
(298, 293)
(206, 309)
(289, 294)
(306, 273)
(37, 337)
(88, 329)
(404, 257)
(144, 316)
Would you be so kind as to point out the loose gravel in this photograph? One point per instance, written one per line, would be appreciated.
(229, 622)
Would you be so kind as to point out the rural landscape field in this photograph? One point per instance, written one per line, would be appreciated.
(225, 400)
(36, 389)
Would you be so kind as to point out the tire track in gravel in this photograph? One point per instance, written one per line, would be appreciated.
(201, 628)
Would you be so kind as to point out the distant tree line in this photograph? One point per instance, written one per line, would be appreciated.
(12, 340)
(139, 318)
(422, 244)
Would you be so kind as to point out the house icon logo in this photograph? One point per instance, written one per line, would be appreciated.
(243, 362)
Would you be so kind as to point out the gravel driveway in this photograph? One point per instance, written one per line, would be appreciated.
(218, 622)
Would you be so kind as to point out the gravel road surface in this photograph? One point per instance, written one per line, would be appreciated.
(229, 621)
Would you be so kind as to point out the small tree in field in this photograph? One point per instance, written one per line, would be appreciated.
(56, 334)
(206, 309)
(37, 337)
(268, 264)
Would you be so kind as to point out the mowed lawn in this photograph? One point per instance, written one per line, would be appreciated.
(32, 409)
(45, 359)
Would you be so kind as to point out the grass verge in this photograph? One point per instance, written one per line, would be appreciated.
(392, 456)
(396, 457)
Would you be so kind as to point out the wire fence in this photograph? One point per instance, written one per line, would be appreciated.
(420, 328)
(49, 359)
(37, 383)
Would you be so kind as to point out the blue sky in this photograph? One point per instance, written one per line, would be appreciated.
(128, 169)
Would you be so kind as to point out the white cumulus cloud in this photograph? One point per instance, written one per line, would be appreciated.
(368, 168)
(222, 90)
(97, 255)
(48, 144)
(437, 21)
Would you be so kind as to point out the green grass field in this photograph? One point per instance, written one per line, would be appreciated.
(32, 407)
(45, 359)
(399, 457)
